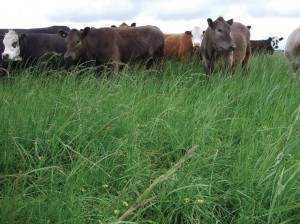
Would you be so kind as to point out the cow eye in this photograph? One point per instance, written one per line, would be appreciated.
(78, 42)
(14, 44)
(220, 30)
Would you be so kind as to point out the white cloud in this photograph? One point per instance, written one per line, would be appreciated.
(267, 17)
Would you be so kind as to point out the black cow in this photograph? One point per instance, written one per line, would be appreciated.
(265, 46)
(49, 30)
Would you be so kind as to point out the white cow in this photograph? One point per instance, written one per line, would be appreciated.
(292, 50)
(11, 46)
(197, 36)
(275, 42)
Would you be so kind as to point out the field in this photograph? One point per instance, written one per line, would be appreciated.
(151, 148)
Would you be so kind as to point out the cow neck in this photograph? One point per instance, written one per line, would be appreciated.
(89, 54)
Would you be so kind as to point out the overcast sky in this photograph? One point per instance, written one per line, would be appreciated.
(268, 18)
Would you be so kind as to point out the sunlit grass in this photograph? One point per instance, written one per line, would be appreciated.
(76, 148)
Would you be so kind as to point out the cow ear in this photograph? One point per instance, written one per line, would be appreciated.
(281, 38)
(133, 24)
(188, 32)
(22, 36)
(270, 38)
(230, 22)
(210, 23)
(85, 31)
(63, 33)
(249, 27)
(113, 26)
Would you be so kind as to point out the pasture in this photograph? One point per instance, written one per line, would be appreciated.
(79, 149)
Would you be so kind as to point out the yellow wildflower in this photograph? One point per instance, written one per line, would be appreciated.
(200, 201)
(125, 203)
(116, 212)
(186, 200)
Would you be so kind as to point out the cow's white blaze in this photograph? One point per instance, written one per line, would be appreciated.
(11, 46)
(275, 42)
(197, 36)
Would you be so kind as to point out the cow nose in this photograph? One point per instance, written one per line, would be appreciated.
(66, 56)
(232, 47)
(197, 44)
(4, 56)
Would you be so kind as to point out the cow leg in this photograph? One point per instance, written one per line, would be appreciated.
(247, 56)
(149, 63)
(208, 66)
(156, 57)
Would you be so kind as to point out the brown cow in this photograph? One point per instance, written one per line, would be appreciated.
(225, 42)
(181, 45)
(124, 25)
(116, 46)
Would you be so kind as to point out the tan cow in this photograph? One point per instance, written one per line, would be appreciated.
(181, 45)
(292, 50)
(226, 43)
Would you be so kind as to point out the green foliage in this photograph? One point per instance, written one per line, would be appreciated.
(76, 148)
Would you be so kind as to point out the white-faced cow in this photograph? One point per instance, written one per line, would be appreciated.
(111, 47)
(226, 43)
(292, 50)
(183, 44)
(51, 29)
(33, 47)
(265, 46)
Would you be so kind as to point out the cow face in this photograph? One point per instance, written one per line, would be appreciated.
(275, 42)
(220, 34)
(197, 36)
(75, 41)
(11, 46)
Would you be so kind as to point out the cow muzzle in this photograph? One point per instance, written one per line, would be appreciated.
(7, 57)
(197, 44)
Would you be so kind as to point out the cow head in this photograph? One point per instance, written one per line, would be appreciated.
(74, 39)
(11, 44)
(274, 42)
(219, 34)
(197, 36)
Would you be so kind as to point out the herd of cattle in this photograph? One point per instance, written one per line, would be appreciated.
(223, 43)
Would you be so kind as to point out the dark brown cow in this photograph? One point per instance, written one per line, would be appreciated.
(111, 46)
(265, 46)
(225, 42)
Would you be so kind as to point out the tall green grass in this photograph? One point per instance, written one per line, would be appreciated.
(80, 149)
